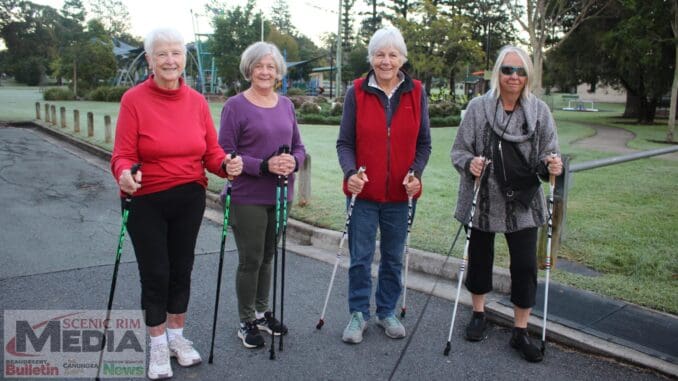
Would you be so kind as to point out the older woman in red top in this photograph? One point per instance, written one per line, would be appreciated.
(167, 127)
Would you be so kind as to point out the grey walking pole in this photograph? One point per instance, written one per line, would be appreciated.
(286, 149)
(349, 212)
(224, 230)
(462, 267)
(118, 253)
(549, 234)
(410, 216)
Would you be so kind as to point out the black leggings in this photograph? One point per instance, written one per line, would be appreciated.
(164, 228)
(522, 247)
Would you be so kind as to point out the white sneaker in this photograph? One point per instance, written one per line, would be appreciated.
(183, 350)
(159, 366)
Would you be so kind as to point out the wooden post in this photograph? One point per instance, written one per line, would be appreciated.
(305, 182)
(90, 124)
(76, 121)
(559, 211)
(47, 113)
(62, 111)
(53, 118)
(107, 128)
(37, 110)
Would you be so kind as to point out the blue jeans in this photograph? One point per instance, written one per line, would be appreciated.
(391, 218)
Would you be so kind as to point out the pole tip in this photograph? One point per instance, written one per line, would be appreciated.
(403, 311)
(447, 349)
(543, 347)
(211, 359)
(320, 324)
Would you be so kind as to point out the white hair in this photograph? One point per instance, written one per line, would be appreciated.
(387, 37)
(166, 35)
(255, 53)
(496, 71)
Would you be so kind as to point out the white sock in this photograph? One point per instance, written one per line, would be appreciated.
(159, 340)
(259, 315)
(172, 333)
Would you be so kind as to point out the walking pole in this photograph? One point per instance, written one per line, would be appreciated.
(224, 230)
(349, 211)
(403, 309)
(118, 253)
(285, 149)
(278, 191)
(462, 267)
(549, 233)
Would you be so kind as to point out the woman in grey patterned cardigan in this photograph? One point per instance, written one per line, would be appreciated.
(507, 139)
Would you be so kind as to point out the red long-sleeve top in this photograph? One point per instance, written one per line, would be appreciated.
(170, 132)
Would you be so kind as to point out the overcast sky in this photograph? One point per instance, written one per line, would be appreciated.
(311, 17)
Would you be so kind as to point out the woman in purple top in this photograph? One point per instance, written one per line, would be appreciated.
(255, 124)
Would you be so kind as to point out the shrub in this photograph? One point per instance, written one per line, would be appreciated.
(309, 108)
(58, 94)
(295, 91)
(443, 109)
(106, 94)
(318, 119)
(321, 100)
(445, 121)
(336, 109)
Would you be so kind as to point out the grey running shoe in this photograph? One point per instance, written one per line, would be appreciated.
(392, 327)
(355, 328)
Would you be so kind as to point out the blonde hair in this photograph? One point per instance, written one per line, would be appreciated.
(255, 52)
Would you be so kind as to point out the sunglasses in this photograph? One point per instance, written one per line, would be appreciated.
(508, 70)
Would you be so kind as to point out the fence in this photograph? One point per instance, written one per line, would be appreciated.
(562, 189)
(51, 119)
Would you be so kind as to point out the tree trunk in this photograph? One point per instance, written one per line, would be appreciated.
(538, 62)
(674, 99)
(632, 109)
(453, 96)
(427, 84)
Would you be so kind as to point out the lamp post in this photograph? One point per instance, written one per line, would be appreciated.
(339, 51)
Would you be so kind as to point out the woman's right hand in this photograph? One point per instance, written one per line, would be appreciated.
(356, 182)
(477, 165)
(283, 164)
(128, 183)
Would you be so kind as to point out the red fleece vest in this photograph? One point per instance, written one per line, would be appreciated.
(387, 155)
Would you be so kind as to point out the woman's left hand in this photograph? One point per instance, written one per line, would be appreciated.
(412, 185)
(555, 165)
(283, 164)
(233, 166)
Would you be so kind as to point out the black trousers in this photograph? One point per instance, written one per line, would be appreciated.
(164, 228)
(522, 247)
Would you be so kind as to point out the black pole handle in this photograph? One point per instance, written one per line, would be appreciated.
(284, 149)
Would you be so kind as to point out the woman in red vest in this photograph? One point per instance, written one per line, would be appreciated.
(384, 128)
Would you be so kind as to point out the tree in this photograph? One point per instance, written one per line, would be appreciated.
(234, 30)
(31, 34)
(372, 20)
(550, 22)
(347, 24)
(281, 18)
(400, 9)
(113, 15)
(674, 86)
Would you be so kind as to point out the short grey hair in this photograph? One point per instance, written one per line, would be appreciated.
(255, 53)
(387, 37)
(527, 64)
(167, 35)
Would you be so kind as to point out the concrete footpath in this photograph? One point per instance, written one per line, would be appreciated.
(60, 223)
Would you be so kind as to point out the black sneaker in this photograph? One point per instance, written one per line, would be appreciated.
(520, 340)
(250, 335)
(477, 328)
(270, 324)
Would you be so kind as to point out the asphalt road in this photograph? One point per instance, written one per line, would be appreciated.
(60, 221)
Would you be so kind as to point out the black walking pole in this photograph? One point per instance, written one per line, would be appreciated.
(224, 230)
(285, 149)
(278, 192)
(118, 253)
(410, 216)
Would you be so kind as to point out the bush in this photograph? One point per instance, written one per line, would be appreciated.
(336, 109)
(443, 109)
(309, 108)
(106, 94)
(58, 94)
(445, 121)
(318, 119)
(321, 100)
(295, 91)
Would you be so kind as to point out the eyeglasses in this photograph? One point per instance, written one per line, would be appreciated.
(508, 70)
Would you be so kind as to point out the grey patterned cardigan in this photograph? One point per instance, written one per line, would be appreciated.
(532, 129)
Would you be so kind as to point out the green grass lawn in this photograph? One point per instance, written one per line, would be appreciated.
(621, 219)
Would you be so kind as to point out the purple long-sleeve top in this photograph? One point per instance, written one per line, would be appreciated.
(256, 133)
